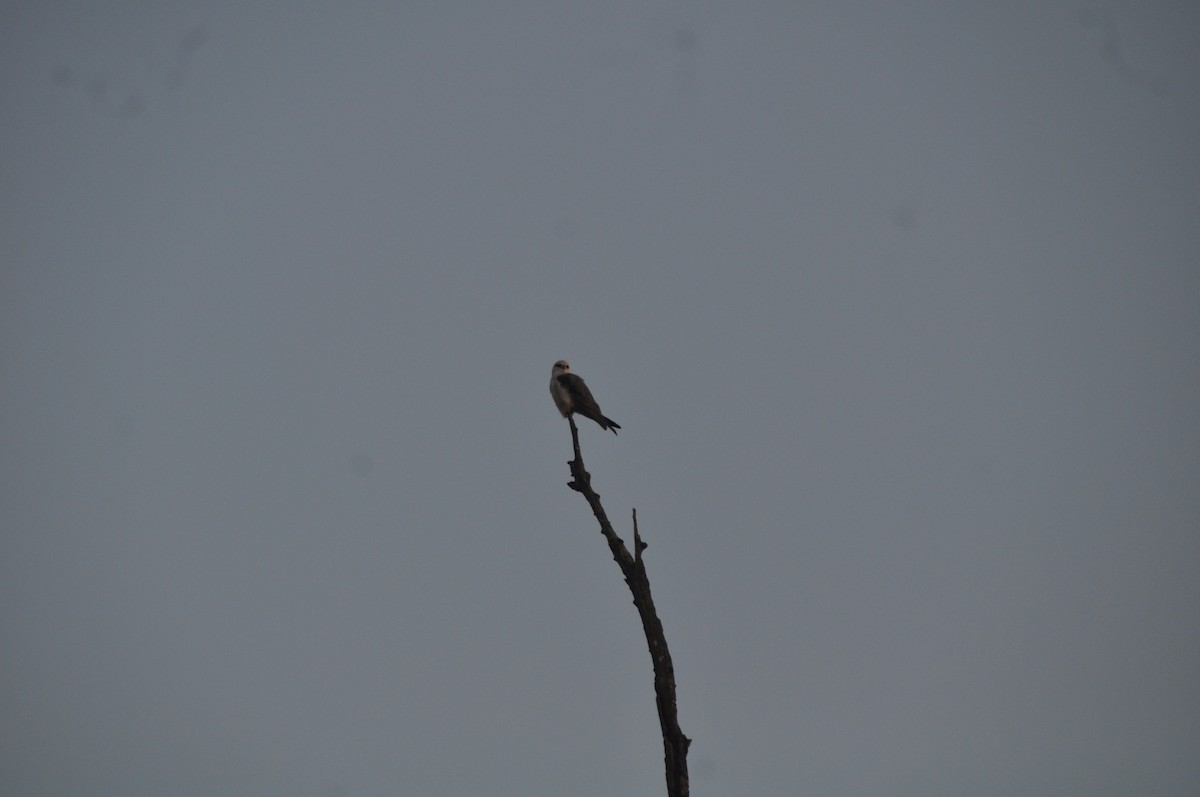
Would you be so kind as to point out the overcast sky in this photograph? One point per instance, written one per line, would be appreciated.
(898, 305)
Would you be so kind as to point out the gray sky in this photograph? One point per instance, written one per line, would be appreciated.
(898, 305)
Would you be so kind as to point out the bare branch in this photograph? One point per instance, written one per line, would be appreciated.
(675, 744)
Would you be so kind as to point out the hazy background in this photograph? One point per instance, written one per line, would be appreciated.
(898, 305)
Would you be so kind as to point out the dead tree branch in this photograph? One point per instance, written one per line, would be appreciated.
(675, 744)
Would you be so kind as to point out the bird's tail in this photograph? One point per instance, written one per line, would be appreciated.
(612, 425)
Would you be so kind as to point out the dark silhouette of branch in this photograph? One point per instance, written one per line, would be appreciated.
(675, 744)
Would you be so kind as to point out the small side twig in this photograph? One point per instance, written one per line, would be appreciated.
(675, 743)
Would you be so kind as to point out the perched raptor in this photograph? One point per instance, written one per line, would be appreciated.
(571, 395)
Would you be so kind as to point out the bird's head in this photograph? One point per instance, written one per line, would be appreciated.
(560, 367)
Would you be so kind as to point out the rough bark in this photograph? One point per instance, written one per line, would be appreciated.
(675, 744)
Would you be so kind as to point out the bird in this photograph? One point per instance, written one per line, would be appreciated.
(571, 395)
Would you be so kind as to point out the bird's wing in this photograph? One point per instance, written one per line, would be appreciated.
(581, 397)
(583, 403)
